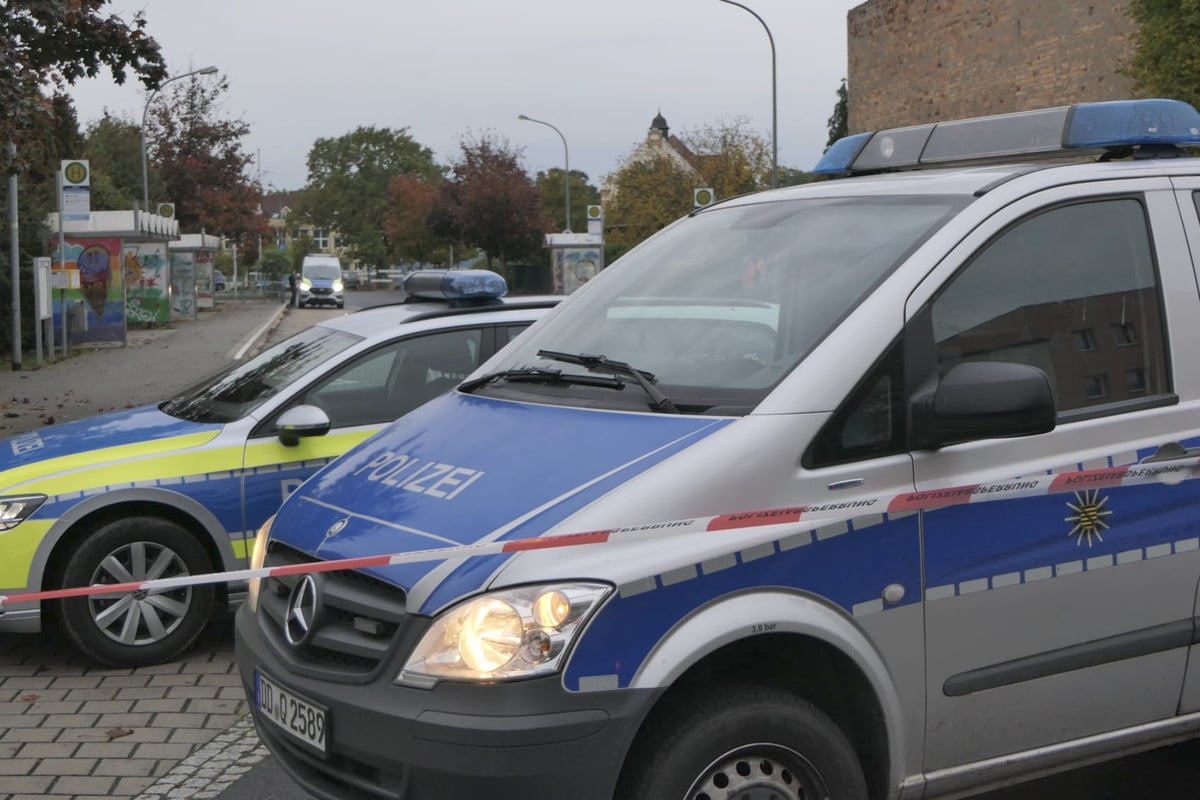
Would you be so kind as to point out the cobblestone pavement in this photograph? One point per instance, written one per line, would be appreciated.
(74, 729)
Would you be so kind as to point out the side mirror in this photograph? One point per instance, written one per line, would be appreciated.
(301, 421)
(983, 400)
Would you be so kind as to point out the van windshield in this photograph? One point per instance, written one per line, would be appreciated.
(324, 272)
(719, 307)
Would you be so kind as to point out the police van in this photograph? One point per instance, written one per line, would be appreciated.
(878, 487)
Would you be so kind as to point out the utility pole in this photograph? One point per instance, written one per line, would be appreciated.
(14, 260)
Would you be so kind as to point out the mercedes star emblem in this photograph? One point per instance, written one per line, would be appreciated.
(303, 607)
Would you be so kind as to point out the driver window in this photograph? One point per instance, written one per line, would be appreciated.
(1073, 291)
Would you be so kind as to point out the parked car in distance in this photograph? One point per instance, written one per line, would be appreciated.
(218, 280)
(353, 278)
(179, 488)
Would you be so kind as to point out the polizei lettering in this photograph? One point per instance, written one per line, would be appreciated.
(422, 476)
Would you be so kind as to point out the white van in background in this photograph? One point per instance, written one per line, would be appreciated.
(321, 282)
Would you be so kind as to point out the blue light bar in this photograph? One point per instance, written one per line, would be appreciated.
(455, 284)
(1045, 133)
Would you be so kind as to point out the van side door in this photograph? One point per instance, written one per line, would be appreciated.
(1063, 609)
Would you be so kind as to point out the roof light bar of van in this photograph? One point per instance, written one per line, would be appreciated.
(1050, 132)
(455, 284)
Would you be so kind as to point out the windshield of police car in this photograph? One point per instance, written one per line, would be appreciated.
(232, 394)
(720, 306)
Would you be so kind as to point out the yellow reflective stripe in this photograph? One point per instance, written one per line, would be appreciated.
(263, 452)
(19, 547)
(152, 470)
(29, 472)
(242, 547)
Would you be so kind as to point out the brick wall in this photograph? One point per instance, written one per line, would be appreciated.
(913, 61)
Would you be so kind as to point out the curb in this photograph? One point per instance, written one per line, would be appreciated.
(259, 334)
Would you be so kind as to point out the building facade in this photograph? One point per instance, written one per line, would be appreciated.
(914, 61)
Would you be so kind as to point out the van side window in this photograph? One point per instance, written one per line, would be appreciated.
(1072, 290)
(871, 423)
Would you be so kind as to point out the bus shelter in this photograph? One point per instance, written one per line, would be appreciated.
(110, 272)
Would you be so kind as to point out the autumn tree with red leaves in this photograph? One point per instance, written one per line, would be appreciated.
(490, 201)
(201, 164)
(411, 199)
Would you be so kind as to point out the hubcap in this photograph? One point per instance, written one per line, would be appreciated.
(146, 616)
(759, 772)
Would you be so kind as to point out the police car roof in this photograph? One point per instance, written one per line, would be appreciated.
(370, 321)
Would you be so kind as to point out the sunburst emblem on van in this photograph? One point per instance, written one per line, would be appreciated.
(1089, 515)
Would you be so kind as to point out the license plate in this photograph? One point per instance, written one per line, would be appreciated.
(295, 715)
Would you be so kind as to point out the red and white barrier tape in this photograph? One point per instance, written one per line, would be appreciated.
(1171, 472)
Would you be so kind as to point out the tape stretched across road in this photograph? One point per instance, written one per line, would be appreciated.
(1169, 472)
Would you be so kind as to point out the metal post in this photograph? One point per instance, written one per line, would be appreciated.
(145, 110)
(14, 261)
(774, 104)
(62, 265)
(566, 159)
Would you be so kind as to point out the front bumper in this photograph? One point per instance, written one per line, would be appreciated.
(320, 297)
(528, 739)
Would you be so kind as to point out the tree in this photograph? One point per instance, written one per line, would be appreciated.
(348, 184)
(839, 122)
(489, 201)
(583, 194)
(114, 149)
(1164, 61)
(48, 44)
(727, 156)
(650, 194)
(201, 163)
(730, 157)
(411, 199)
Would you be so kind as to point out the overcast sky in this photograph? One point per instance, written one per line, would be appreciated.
(598, 70)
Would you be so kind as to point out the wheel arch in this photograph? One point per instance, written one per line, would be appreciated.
(797, 642)
(86, 515)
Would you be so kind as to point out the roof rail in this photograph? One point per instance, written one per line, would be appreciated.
(1115, 128)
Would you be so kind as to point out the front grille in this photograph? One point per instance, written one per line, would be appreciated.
(358, 623)
(321, 290)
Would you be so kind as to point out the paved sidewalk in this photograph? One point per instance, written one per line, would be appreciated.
(157, 363)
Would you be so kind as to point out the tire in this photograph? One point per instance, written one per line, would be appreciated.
(341, 305)
(744, 741)
(138, 628)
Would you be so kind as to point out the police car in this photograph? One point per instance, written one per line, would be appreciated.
(176, 489)
(875, 487)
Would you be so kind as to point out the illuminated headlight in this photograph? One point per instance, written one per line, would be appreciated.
(337, 286)
(512, 633)
(14, 509)
(257, 557)
(306, 284)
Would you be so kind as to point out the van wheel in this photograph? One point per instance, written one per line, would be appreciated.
(743, 742)
(341, 305)
(137, 628)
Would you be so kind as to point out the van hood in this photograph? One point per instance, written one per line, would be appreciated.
(464, 469)
(96, 440)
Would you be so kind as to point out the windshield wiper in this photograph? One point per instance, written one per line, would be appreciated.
(538, 374)
(643, 378)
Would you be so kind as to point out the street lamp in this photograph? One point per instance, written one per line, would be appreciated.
(149, 100)
(774, 106)
(566, 158)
